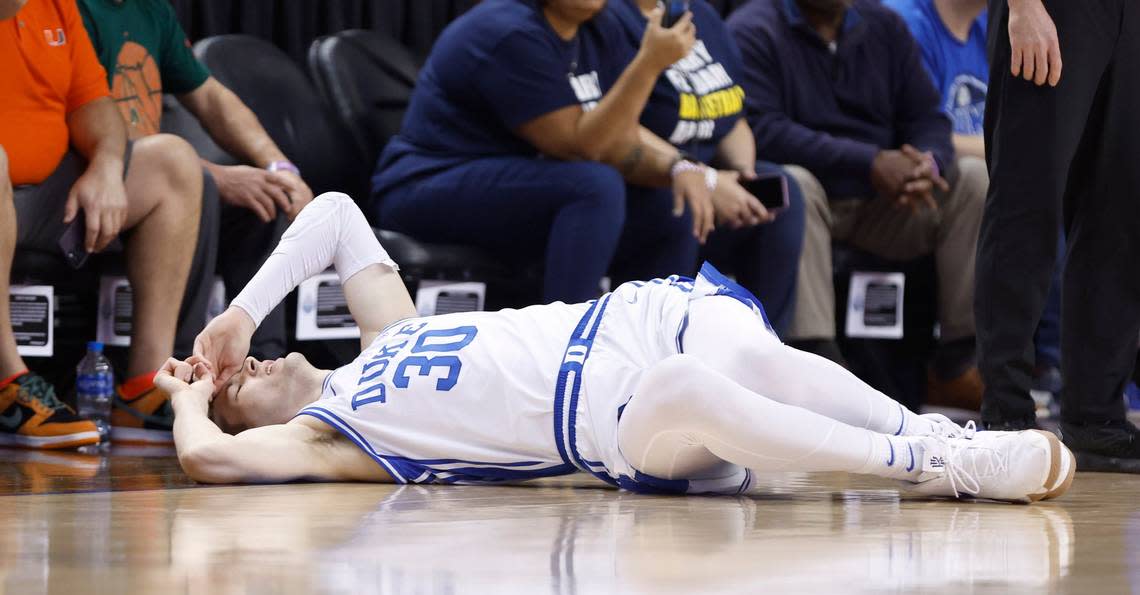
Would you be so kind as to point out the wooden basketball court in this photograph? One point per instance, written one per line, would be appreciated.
(133, 523)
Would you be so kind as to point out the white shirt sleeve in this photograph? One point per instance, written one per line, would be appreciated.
(331, 230)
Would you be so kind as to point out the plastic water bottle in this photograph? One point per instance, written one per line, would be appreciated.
(95, 387)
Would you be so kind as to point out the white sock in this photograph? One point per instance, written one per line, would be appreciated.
(895, 457)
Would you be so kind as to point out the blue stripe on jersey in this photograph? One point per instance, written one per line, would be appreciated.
(494, 474)
(648, 484)
(726, 286)
(339, 424)
(434, 462)
(405, 470)
(566, 410)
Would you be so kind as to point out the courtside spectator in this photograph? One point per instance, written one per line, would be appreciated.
(837, 88)
(55, 95)
(145, 52)
(517, 123)
(951, 36)
(698, 105)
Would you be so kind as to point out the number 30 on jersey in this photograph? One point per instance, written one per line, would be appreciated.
(435, 353)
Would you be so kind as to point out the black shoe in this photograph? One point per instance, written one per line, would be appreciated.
(1112, 447)
(1011, 425)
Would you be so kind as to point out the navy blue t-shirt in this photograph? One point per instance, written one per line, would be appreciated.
(960, 70)
(498, 66)
(698, 100)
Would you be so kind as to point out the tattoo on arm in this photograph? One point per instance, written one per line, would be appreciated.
(632, 159)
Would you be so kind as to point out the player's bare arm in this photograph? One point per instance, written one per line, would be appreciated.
(301, 449)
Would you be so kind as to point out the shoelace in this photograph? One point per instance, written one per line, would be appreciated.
(36, 387)
(944, 426)
(966, 480)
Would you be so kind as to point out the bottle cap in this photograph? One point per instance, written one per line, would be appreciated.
(96, 346)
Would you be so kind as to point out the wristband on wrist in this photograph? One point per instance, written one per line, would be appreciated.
(684, 164)
(284, 166)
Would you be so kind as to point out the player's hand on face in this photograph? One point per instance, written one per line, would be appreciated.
(689, 188)
(735, 206)
(296, 189)
(224, 344)
(259, 190)
(191, 376)
(663, 47)
(100, 193)
(1035, 52)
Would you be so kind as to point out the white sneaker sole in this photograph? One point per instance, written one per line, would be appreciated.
(1068, 463)
(1061, 469)
(61, 441)
(140, 435)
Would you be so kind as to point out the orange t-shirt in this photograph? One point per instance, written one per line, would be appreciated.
(48, 69)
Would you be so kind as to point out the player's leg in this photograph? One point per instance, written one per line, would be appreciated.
(728, 337)
(164, 193)
(686, 421)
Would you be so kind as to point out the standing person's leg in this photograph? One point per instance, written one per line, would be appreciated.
(766, 258)
(1101, 300)
(813, 322)
(1031, 136)
(164, 194)
(654, 243)
(568, 213)
(10, 361)
(686, 420)
(1047, 339)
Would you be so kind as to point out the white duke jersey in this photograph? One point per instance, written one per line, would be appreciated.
(486, 397)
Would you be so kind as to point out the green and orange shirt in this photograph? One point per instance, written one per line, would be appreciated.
(145, 52)
(49, 70)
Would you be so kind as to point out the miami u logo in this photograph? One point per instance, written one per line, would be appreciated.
(55, 38)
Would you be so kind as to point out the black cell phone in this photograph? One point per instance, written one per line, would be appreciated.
(674, 10)
(71, 242)
(771, 189)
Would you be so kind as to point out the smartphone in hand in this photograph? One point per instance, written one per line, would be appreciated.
(770, 189)
(674, 10)
(71, 242)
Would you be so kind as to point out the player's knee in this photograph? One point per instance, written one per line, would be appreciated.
(3, 165)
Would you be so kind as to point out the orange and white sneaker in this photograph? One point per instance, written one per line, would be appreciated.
(32, 416)
(142, 413)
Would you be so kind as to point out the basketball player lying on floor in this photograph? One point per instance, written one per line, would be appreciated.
(671, 385)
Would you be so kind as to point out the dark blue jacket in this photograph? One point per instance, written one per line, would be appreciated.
(832, 112)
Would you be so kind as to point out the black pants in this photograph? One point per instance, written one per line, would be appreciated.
(1066, 155)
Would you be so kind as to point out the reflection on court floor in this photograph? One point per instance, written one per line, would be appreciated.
(817, 533)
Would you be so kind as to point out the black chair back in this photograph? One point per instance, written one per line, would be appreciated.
(367, 77)
(277, 90)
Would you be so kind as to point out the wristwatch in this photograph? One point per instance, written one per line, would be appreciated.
(284, 166)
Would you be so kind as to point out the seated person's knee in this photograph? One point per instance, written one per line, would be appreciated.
(175, 156)
(974, 173)
(3, 166)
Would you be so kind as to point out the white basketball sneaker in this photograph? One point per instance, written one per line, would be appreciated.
(944, 426)
(1021, 466)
